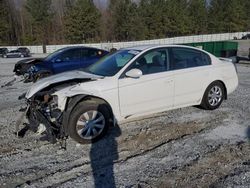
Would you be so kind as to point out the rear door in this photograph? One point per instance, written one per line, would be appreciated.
(68, 60)
(191, 72)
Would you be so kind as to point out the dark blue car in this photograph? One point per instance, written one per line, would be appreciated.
(65, 59)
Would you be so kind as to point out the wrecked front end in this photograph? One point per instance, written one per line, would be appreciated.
(22, 66)
(27, 69)
(30, 74)
(44, 117)
(45, 114)
(48, 107)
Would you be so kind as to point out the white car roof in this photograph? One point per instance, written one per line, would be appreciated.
(146, 47)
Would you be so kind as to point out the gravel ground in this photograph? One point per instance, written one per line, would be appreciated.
(186, 147)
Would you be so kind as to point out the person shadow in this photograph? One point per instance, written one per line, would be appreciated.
(248, 133)
(103, 154)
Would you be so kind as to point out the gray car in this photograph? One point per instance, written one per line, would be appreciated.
(20, 52)
(3, 51)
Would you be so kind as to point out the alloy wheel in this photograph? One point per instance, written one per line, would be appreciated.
(90, 124)
(215, 96)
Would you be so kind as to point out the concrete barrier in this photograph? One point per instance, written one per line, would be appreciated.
(118, 45)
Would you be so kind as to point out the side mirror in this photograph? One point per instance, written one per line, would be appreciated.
(134, 73)
(58, 60)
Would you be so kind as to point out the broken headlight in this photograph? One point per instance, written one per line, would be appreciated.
(51, 100)
(51, 108)
(55, 100)
(32, 69)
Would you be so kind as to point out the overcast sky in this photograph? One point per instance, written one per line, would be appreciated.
(101, 3)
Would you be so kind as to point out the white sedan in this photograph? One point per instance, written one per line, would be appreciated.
(129, 83)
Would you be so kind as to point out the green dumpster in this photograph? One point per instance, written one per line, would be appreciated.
(219, 48)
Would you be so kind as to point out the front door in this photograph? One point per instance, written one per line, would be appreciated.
(68, 60)
(153, 91)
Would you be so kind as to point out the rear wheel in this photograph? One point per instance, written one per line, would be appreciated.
(89, 122)
(214, 96)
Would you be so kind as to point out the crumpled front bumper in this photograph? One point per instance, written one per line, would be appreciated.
(35, 119)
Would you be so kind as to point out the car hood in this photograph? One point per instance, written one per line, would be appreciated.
(30, 60)
(60, 78)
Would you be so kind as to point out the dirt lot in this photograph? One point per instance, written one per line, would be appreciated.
(186, 147)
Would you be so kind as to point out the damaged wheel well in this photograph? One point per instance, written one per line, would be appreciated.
(97, 100)
(225, 88)
(72, 103)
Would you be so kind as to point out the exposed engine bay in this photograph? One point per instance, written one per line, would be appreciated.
(43, 114)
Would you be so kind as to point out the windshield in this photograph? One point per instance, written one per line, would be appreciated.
(52, 55)
(112, 64)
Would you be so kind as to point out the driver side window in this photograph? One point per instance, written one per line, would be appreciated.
(155, 61)
(70, 55)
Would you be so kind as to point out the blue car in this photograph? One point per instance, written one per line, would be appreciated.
(65, 59)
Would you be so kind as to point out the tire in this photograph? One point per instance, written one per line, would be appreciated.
(81, 113)
(213, 96)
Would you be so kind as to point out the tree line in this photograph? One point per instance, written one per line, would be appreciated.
(33, 22)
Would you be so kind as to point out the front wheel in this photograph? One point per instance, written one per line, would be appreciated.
(214, 96)
(89, 122)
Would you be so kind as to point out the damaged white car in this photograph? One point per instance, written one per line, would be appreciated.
(129, 83)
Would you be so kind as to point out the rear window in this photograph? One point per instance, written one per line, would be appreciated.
(182, 58)
(23, 49)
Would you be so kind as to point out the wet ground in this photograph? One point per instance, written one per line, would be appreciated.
(186, 147)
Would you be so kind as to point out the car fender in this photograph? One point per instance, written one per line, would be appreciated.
(71, 104)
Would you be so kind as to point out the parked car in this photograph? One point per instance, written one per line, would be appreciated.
(62, 60)
(249, 54)
(3, 51)
(20, 52)
(242, 58)
(25, 51)
(127, 84)
(245, 37)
